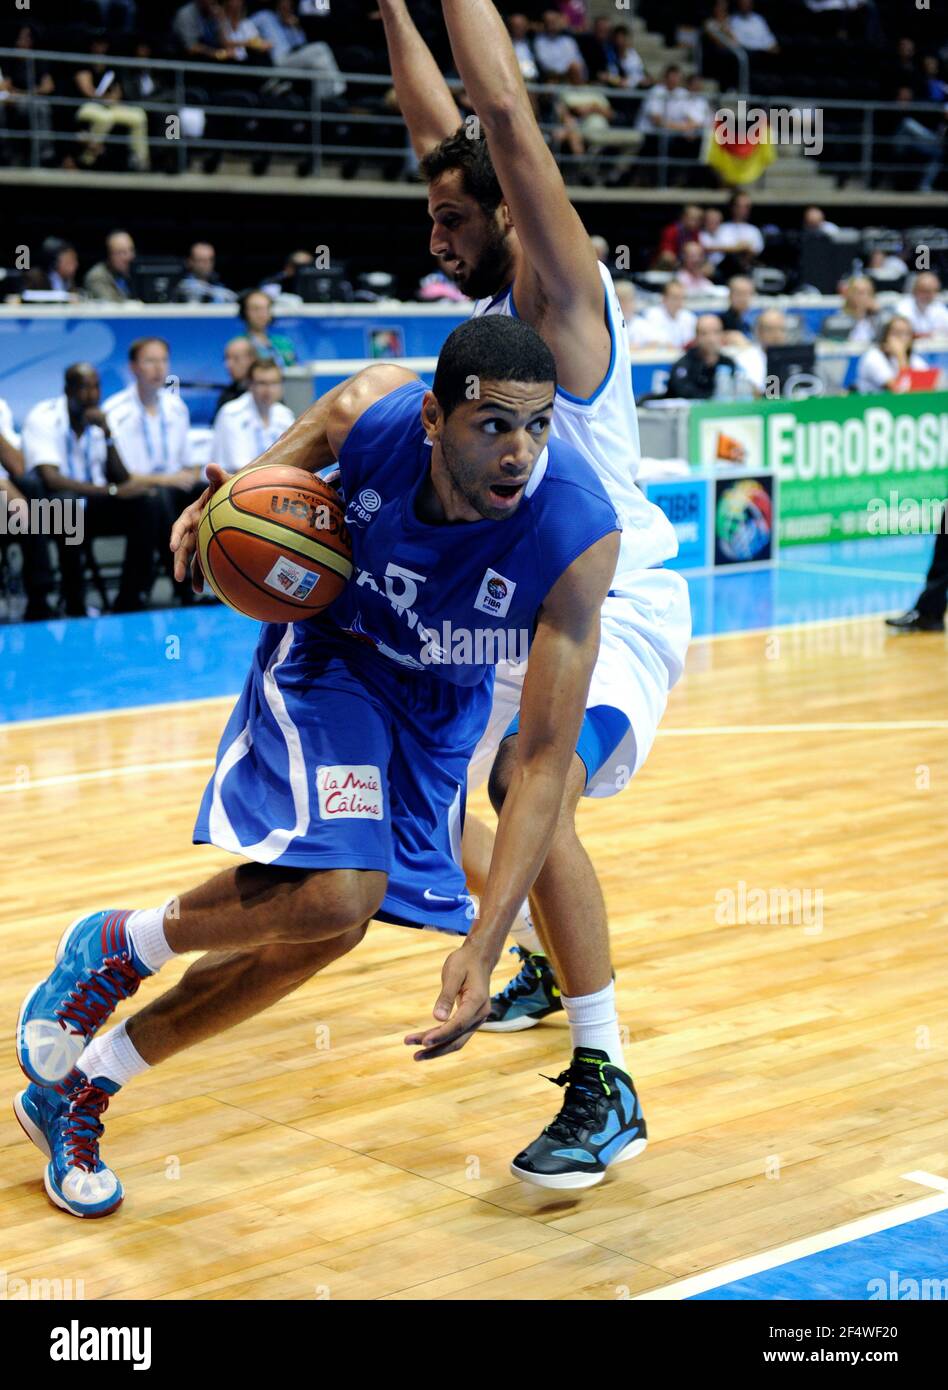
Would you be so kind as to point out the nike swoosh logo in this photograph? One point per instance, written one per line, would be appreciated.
(437, 897)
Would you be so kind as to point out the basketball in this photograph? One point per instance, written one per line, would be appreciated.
(274, 544)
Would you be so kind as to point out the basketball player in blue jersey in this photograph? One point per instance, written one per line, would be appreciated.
(505, 231)
(340, 775)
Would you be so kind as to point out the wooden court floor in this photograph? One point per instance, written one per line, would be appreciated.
(789, 1036)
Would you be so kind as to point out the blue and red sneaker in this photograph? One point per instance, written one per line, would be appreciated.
(65, 1124)
(95, 969)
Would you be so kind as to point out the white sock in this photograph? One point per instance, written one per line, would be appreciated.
(146, 932)
(525, 933)
(113, 1056)
(593, 1022)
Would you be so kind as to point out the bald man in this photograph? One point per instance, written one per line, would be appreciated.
(110, 280)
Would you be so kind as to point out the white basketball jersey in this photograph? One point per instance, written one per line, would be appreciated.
(605, 430)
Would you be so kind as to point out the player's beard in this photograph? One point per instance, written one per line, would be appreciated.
(469, 483)
(494, 267)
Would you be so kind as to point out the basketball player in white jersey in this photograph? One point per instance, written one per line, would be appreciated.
(505, 231)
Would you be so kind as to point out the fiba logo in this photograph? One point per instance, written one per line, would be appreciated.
(497, 589)
(361, 511)
(744, 520)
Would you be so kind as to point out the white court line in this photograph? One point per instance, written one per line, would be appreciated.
(927, 1179)
(872, 726)
(103, 774)
(814, 567)
(797, 1249)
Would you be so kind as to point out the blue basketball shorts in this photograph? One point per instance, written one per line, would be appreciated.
(334, 757)
(602, 730)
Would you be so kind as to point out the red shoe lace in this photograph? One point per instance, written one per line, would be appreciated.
(82, 1134)
(95, 997)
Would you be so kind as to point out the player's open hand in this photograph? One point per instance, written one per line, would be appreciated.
(184, 533)
(465, 988)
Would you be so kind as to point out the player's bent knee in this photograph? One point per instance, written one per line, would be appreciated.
(338, 902)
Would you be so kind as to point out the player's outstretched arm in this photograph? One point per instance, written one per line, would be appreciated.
(424, 97)
(556, 242)
(555, 688)
(311, 442)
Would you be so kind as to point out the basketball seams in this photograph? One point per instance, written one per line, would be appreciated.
(217, 502)
(303, 610)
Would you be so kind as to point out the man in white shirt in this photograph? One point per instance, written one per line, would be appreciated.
(556, 50)
(522, 46)
(246, 427)
(67, 441)
(150, 424)
(923, 309)
(16, 492)
(737, 236)
(770, 330)
(670, 324)
(751, 30)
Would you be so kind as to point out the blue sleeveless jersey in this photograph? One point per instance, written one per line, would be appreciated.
(456, 598)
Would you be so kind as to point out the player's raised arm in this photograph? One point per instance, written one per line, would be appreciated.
(562, 658)
(558, 249)
(423, 95)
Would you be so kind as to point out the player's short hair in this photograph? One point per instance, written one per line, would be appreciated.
(491, 347)
(138, 346)
(260, 364)
(472, 157)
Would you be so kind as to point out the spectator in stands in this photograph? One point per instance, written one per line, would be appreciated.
(708, 235)
(202, 284)
(280, 26)
(751, 30)
(67, 440)
(239, 357)
(736, 320)
(635, 325)
(256, 310)
(246, 427)
(585, 115)
(110, 280)
(737, 236)
(673, 118)
(693, 273)
(919, 141)
(922, 307)
(574, 12)
(59, 266)
(520, 37)
(670, 324)
(694, 118)
(814, 220)
(239, 35)
(105, 109)
(149, 423)
(935, 88)
(676, 236)
(25, 89)
(197, 28)
(555, 50)
(718, 42)
(700, 374)
(17, 490)
(770, 330)
(858, 319)
(284, 282)
(906, 71)
(623, 67)
(886, 266)
(884, 367)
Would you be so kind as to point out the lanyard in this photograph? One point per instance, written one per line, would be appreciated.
(72, 452)
(163, 430)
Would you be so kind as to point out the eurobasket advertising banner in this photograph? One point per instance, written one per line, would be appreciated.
(846, 467)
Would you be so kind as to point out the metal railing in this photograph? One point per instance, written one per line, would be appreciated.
(260, 112)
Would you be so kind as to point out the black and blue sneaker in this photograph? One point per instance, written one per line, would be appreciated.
(600, 1123)
(65, 1123)
(532, 994)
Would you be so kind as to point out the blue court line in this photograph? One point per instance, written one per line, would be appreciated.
(81, 665)
(902, 1263)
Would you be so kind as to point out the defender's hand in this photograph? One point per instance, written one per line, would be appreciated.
(465, 983)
